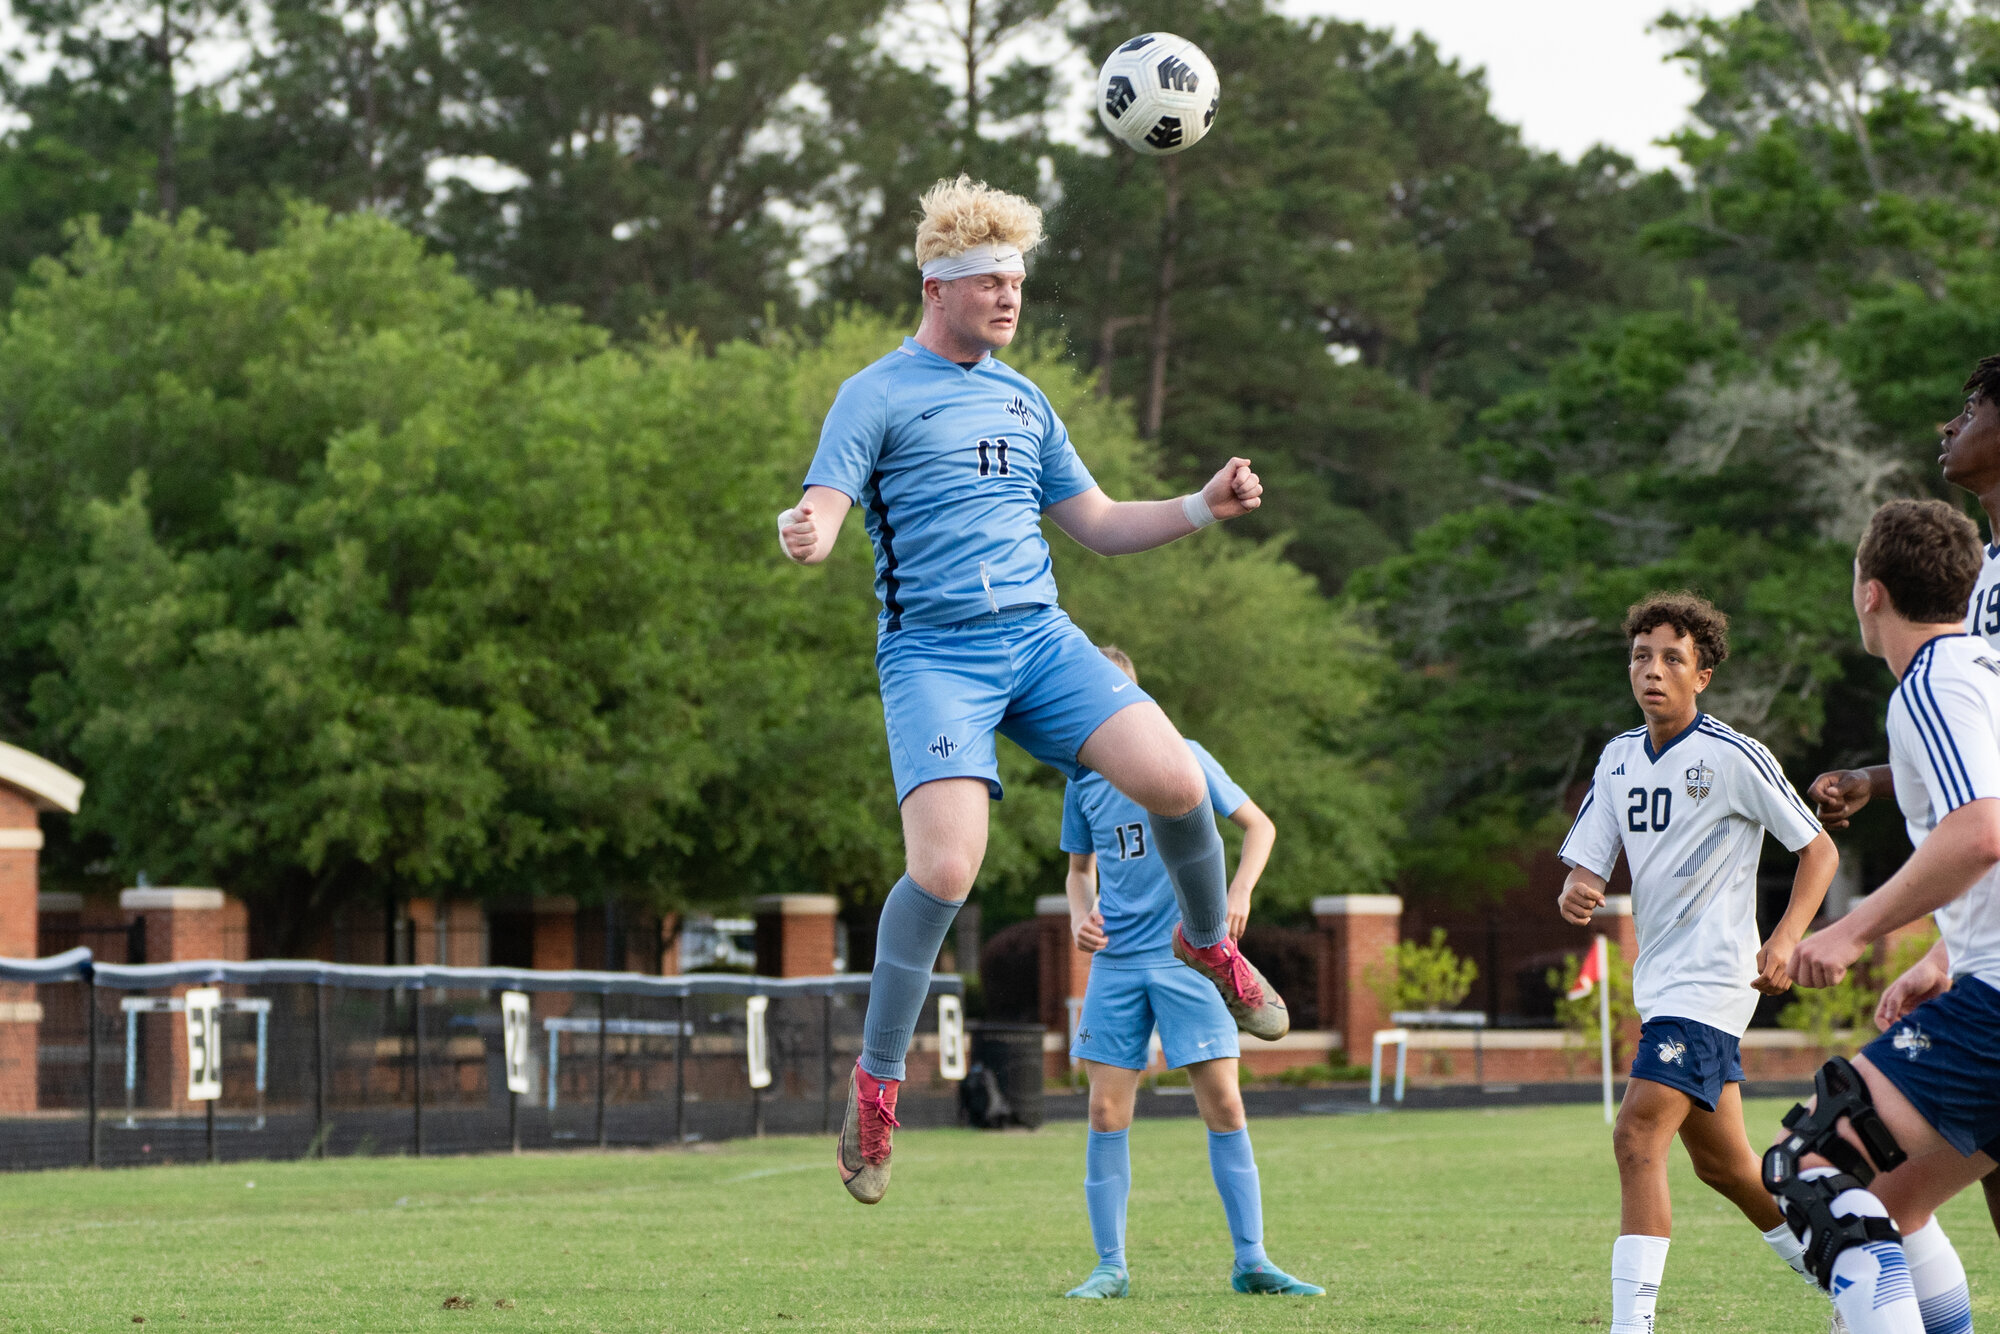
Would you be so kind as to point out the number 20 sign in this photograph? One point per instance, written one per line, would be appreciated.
(204, 1036)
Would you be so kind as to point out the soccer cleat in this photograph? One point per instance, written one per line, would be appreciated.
(1268, 1280)
(1107, 1280)
(863, 1151)
(1253, 1003)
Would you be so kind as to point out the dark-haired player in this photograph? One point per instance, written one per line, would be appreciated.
(1688, 800)
(1921, 1104)
(1970, 460)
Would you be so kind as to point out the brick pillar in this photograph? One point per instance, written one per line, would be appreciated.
(20, 851)
(180, 924)
(1063, 969)
(795, 934)
(554, 949)
(670, 944)
(1355, 932)
(1614, 918)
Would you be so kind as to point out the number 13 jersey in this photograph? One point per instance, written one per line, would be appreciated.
(1691, 820)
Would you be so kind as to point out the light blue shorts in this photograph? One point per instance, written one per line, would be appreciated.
(1026, 673)
(1122, 1006)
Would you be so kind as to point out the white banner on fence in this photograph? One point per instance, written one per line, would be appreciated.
(204, 1037)
(951, 1038)
(514, 1032)
(755, 1048)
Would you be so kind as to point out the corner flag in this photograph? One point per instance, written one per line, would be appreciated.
(1592, 972)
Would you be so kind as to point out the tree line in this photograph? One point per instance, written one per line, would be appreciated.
(393, 392)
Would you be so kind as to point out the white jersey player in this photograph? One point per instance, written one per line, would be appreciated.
(1970, 460)
(1921, 1103)
(1688, 801)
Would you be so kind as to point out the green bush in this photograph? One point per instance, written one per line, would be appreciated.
(1422, 977)
(1842, 1018)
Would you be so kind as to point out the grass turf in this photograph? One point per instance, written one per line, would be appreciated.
(1490, 1221)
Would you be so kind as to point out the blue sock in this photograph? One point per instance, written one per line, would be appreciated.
(1191, 852)
(1107, 1181)
(912, 929)
(1235, 1171)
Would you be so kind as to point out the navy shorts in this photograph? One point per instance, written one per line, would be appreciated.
(1122, 1006)
(1689, 1056)
(1026, 673)
(1945, 1058)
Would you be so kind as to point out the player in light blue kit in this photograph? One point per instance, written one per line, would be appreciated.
(954, 459)
(1122, 912)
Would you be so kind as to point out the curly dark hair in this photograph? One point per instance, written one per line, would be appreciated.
(1927, 555)
(1689, 614)
(1984, 382)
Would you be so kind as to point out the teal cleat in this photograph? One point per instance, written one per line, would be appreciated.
(1107, 1280)
(1270, 1281)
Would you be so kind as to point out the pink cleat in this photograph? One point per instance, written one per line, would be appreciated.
(863, 1151)
(1256, 1007)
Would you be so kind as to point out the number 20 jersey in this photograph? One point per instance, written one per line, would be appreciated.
(953, 467)
(1691, 821)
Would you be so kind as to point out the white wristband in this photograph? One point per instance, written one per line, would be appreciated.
(785, 516)
(1196, 511)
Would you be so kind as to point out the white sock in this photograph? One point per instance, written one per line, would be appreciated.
(1789, 1249)
(1871, 1283)
(1637, 1261)
(1938, 1277)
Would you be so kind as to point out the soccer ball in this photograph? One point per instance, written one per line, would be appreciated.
(1157, 94)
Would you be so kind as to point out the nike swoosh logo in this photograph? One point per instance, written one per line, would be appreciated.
(933, 412)
(1200, 1045)
(1116, 689)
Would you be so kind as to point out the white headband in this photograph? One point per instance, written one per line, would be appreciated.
(979, 259)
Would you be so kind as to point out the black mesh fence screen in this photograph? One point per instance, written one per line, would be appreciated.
(328, 1067)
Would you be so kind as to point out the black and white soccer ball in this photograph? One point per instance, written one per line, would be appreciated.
(1157, 94)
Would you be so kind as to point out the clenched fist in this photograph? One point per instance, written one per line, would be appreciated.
(798, 534)
(1234, 491)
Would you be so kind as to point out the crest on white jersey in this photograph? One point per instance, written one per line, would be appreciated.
(1700, 778)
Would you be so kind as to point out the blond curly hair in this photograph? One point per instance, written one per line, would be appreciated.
(960, 214)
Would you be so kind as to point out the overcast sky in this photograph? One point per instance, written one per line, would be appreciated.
(1570, 73)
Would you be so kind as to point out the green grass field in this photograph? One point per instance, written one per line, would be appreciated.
(1489, 1221)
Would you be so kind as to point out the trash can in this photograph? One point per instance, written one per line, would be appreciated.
(1013, 1052)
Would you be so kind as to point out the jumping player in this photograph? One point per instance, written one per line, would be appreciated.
(1970, 460)
(955, 457)
(1921, 1104)
(1688, 800)
(1122, 912)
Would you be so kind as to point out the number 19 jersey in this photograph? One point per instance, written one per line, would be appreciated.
(1690, 819)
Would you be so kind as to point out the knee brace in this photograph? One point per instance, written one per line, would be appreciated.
(1808, 1205)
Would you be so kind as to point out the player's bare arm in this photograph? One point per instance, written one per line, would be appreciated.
(1838, 794)
(1086, 923)
(1927, 978)
(1124, 527)
(1818, 860)
(1964, 847)
(1259, 836)
(809, 529)
(1582, 895)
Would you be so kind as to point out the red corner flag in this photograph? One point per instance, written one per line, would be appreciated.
(1592, 972)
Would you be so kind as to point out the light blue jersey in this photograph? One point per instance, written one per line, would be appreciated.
(953, 468)
(1133, 891)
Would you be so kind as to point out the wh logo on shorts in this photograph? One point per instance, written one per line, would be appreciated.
(1672, 1050)
(1911, 1042)
(943, 747)
(1700, 779)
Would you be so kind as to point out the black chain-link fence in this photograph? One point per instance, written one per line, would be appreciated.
(327, 1059)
